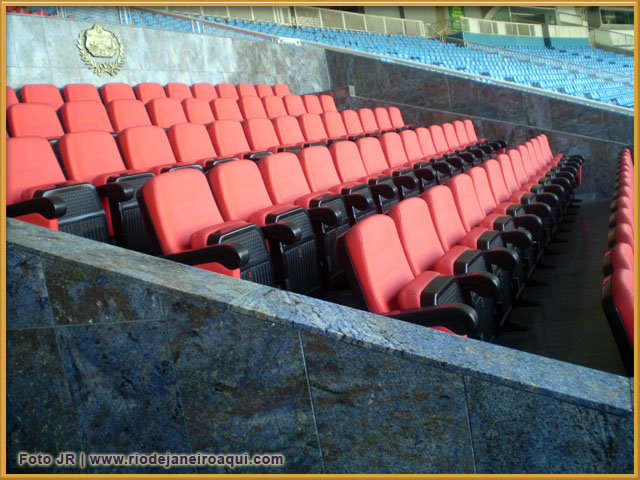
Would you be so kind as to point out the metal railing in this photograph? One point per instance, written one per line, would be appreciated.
(494, 27)
(609, 38)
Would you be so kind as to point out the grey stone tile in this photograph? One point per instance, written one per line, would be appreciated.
(14, 77)
(60, 39)
(377, 413)
(26, 32)
(40, 413)
(583, 386)
(81, 295)
(243, 387)
(30, 75)
(516, 431)
(27, 295)
(125, 391)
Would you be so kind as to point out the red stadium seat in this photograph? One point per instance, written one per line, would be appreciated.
(246, 90)
(42, 93)
(178, 91)
(280, 90)
(116, 91)
(127, 113)
(328, 103)
(187, 227)
(251, 107)
(227, 90)
(204, 91)
(197, 111)
(617, 302)
(312, 104)
(264, 90)
(146, 91)
(33, 119)
(191, 144)
(165, 112)
(294, 105)
(147, 148)
(274, 107)
(225, 108)
(12, 98)
(74, 92)
(84, 115)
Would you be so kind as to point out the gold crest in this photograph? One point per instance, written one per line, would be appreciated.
(100, 43)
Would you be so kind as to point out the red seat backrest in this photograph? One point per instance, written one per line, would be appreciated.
(318, 168)
(461, 132)
(347, 160)
(368, 120)
(33, 120)
(450, 135)
(333, 125)
(191, 143)
(226, 109)
(42, 93)
(84, 115)
(227, 90)
(146, 91)
(352, 122)
(495, 177)
(483, 190)
(145, 147)
(508, 173)
(274, 107)
(294, 105)
(312, 127)
(127, 113)
(12, 98)
(280, 90)
(179, 203)
(30, 163)
(80, 91)
(246, 90)
(228, 137)
(238, 189)
(426, 142)
(444, 214)
(85, 155)
(283, 177)
(204, 91)
(328, 103)
(466, 200)
(312, 104)
(372, 155)
(264, 90)
(197, 111)
(178, 91)
(411, 145)
(393, 149)
(260, 134)
(439, 140)
(622, 292)
(395, 115)
(251, 107)
(165, 112)
(417, 234)
(382, 118)
(288, 130)
(381, 277)
(471, 131)
(116, 91)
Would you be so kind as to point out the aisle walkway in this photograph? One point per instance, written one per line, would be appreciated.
(568, 323)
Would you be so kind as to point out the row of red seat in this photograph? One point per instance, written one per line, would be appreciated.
(55, 97)
(432, 243)
(618, 262)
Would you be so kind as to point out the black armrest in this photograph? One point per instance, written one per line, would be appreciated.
(216, 161)
(48, 207)
(544, 181)
(502, 257)
(314, 144)
(528, 198)
(537, 188)
(442, 167)
(180, 166)
(519, 238)
(457, 162)
(331, 141)
(283, 232)
(564, 179)
(607, 266)
(358, 201)
(503, 223)
(405, 181)
(569, 168)
(515, 209)
(292, 149)
(554, 189)
(118, 192)
(385, 189)
(325, 215)
(547, 197)
(465, 259)
(231, 255)
(484, 284)
(531, 222)
(256, 155)
(539, 209)
(353, 138)
(458, 317)
(425, 173)
(488, 238)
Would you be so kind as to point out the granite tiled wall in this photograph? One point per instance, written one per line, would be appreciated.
(43, 50)
(113, 351)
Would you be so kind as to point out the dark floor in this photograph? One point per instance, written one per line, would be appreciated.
(561, 315)
(568, 323)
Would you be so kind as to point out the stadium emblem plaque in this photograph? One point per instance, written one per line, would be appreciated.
(99, 43)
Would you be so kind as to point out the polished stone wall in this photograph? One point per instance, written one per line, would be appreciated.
(427, 97)
(43, 50)
(113, 351)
